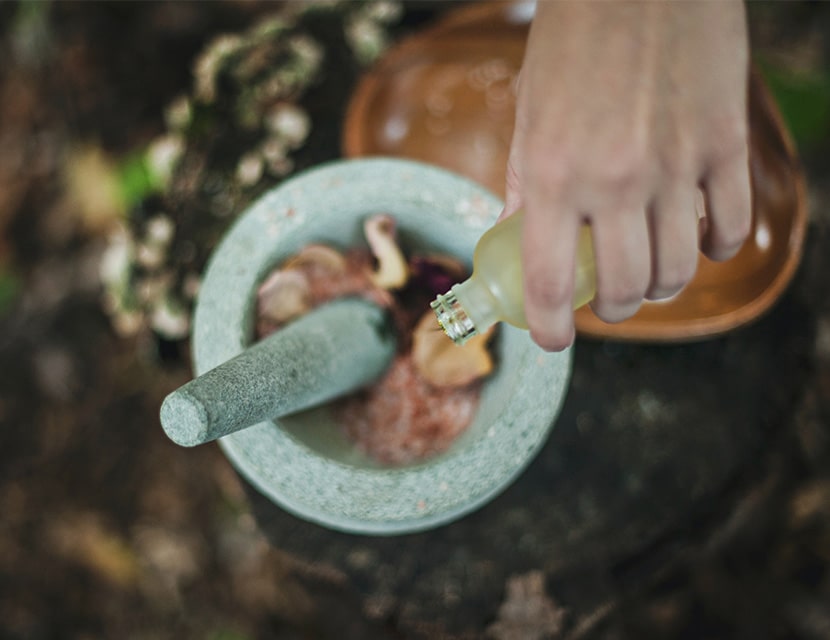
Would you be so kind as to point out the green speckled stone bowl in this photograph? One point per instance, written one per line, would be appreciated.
(304, 463)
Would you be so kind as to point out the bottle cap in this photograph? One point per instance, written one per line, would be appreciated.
(453, 319)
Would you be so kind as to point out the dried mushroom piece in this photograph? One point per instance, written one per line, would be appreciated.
(313, 276)
(392, 270)
(293, 289)
(318, 256)
(284, 296)
(441, 362)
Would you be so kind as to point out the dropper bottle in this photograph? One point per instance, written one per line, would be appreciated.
(494, 292)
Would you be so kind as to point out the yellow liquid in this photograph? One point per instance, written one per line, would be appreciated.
(495, 291)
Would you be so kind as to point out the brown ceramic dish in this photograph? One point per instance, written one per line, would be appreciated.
(444, 96)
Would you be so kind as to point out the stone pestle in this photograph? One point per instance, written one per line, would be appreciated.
(335, 349)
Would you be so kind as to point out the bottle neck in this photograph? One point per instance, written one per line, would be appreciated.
(466, 310)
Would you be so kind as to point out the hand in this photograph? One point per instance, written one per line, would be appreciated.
(625, 112)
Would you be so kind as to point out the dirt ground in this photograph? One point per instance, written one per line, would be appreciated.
(109, 530)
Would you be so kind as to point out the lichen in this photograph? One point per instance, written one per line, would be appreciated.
(238, 131)
(366, 29)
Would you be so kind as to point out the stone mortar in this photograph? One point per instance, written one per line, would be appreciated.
(304, 463)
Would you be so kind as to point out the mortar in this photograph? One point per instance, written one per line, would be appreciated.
(303, 462)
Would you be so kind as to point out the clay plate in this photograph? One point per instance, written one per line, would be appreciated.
(444, 96)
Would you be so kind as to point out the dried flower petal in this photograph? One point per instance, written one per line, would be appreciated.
(528, 612)
(179, 114)
(162, 156)
(442, 362)
(436, 273)
(170, 319)
(249, 169)
(160, 230)
(209, 63)
(289, 123)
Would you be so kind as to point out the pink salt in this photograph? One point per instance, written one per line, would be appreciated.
(403, 419)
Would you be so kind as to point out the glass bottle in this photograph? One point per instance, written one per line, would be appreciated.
(494, 292)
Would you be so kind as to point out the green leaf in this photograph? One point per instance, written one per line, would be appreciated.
(136, 180)
(804, 101)
(9, 289)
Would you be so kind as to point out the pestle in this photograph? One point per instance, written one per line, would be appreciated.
(329, 352)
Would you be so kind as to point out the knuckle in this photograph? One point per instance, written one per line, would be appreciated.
(620, 296)
(549, 171)
(615, 313)
(551, 340)
(626, 174)
(623, 169)
(672, 278)
(615, 301)
(549, 312)
(547, 293)
(678, 165)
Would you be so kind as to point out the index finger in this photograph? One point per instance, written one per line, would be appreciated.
(549, 241)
